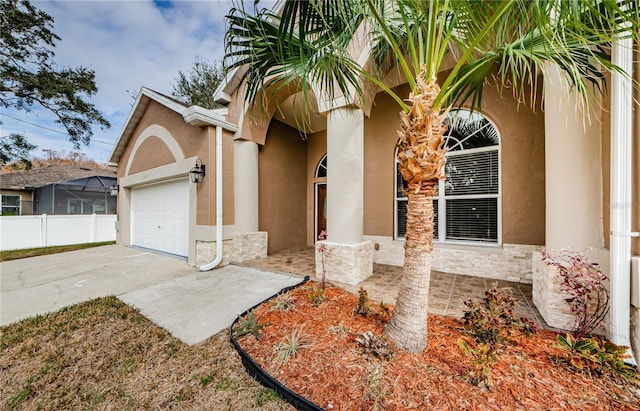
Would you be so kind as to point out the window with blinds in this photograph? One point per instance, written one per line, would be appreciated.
(467, 204)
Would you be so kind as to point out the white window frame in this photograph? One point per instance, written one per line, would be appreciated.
(104, 206)
(73, 200)
(442, 198)
(2, 205)
(83, 204)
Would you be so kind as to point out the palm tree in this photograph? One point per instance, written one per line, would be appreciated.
(448, 50)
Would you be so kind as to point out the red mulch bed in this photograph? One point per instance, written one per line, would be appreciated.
(529, 373)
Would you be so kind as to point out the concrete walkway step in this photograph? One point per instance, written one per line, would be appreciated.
(196, 306)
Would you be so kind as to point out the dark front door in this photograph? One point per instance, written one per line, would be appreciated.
(321, 209)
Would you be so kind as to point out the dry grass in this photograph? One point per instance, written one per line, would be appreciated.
(102, 354)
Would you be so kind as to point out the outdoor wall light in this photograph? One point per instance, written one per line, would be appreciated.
(113, 190)
(197, 173)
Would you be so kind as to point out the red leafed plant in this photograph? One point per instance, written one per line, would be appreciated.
(583, 281)
(323, 249)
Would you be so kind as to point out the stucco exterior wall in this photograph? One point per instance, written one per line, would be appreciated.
(282, 166)
(188, 137)
(193, 142)
(316, 149)
(380, 137)
(522, 166)
(143, 159)
(206, 210)
(161, 155)
(26, 200)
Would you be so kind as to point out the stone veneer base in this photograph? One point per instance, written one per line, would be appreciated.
(242, 247)
(206, 252)
(249, 246)
(547, 297)
(345, 263)
(511, 262)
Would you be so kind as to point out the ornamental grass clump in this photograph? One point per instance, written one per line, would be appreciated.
(291, 344)
(283, 302)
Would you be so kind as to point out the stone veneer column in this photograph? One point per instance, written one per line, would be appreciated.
(573, 189)
(345, 256)
(248, 242)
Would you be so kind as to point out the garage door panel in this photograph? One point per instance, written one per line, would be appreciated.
(160, 217)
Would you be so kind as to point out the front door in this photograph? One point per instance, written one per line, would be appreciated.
(321, 209)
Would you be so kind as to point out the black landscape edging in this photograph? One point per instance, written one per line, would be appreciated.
(264, 378)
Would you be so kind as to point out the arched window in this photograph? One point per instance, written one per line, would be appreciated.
(467, 204)
(321, 169)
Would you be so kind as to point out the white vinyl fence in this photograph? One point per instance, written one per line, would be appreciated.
(31, 231)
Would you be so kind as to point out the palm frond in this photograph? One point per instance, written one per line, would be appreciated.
(305, 47)
(572, 35)
(309, 45)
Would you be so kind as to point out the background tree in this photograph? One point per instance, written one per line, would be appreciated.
(197, 87)
(512, 41)
(14, 148)
(52, 157)
(30, 77)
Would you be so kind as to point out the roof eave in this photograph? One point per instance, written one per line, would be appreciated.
(201, 117)
(193, 115)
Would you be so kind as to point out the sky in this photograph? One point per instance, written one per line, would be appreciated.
(129, 44)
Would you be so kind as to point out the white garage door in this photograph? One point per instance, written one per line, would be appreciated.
(160, 217)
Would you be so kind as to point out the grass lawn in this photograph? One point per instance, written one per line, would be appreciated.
(34, 252)
(102, 354)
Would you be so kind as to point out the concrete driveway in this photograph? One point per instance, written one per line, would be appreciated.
(38, 285)
(190, 304)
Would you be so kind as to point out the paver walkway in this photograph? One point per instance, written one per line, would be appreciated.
(447, 292)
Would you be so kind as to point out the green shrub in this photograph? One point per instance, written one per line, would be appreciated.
(594, 355)
(491, 319)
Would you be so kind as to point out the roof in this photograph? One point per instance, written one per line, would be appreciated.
(194, 115)
(51, 175)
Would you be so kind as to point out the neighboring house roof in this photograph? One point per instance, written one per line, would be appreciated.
(41, 177)
(194, 115)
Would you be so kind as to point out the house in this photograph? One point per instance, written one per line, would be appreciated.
(520, 178)
(58, 189)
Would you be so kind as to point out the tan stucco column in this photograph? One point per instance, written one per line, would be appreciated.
(245, 176)
(249, 243)
(573, 192)
(345, 175)
(347, 257)
(573, 170)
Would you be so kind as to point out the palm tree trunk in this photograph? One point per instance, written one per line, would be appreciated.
(408, 326)
(421, 157)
